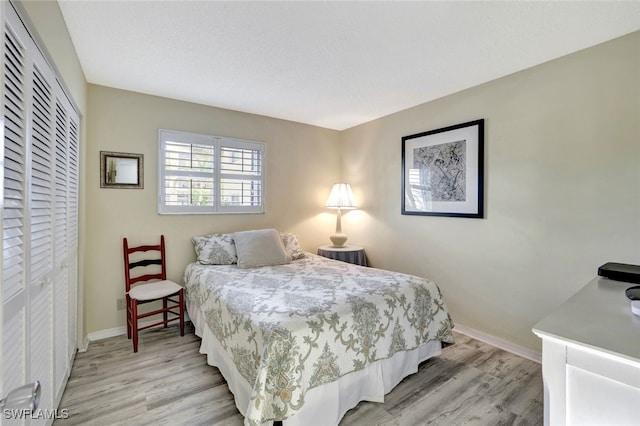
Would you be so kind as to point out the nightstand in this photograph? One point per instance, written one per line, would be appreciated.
(349, 254)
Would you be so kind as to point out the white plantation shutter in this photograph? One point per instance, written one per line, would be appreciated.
(240, 174)
(209, 174)
(188, 174)
(39, 220)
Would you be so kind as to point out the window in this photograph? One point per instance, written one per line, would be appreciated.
(209, 174)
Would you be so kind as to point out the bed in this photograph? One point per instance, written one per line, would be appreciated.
(311, 337)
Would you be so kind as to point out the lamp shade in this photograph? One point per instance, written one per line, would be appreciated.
(341, 197)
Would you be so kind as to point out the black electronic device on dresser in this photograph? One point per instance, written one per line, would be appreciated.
(627, 273)
(620, 272)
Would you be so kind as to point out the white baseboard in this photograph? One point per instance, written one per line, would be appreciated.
(118, 331)
(483, 337)
(84, 345)
(500, 343)
(109, 332)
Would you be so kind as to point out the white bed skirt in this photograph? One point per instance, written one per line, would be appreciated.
(326, 404)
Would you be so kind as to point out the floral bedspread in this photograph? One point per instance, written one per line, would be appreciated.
(290, 328)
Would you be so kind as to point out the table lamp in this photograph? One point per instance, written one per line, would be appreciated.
(341, 197)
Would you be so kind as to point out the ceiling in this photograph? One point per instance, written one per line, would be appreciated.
(332, 64)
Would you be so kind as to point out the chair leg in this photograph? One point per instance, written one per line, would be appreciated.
(128, 317)
(134, 324)
(165, 314)
(181, 301)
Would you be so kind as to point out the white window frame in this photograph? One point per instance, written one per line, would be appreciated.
(218, 143)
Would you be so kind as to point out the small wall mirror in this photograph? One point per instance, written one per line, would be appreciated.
(121, 170)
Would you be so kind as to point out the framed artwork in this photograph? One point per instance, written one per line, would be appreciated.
(121, 170)
(442, 171)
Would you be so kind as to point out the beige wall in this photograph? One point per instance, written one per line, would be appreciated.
(562, 189)
(302, 162)
(45, 15)
(562, 193)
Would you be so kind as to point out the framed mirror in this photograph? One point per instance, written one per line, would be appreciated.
(121, 170)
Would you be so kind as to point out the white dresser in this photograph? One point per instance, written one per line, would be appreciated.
(591, 358)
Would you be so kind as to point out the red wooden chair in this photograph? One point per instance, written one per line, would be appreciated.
(138, 293)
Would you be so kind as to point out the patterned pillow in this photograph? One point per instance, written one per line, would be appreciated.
(291, 245)
(215, 249)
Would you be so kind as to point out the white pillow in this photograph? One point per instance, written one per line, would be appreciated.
(262, 247)
(215, 249)
(291, 245)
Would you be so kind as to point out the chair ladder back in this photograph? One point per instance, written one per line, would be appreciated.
(144, 262)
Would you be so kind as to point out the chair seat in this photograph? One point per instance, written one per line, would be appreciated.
(154, 290)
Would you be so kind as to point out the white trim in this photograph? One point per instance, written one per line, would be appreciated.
(478, 335)
(105, 334)
(500, 343)
(85, 344)
(118, 331)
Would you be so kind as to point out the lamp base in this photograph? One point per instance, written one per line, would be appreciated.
(338, 240)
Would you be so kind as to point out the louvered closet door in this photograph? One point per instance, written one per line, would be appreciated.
(65, 235)
(40, 221)
(41, 205)
(72, 232)
(14, 289)
(60, 252)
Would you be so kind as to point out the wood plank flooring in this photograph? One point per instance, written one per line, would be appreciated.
(169, 383)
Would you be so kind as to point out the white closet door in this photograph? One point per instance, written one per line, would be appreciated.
(60, 252)
(65, 234)
(41, 205)
(14, 290)
(39, 221)
(72, 232)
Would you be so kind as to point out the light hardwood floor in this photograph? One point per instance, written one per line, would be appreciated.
(169, 383)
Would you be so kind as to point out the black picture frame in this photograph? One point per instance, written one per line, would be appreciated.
(443, 171)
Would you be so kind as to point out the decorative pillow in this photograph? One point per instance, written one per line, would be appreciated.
(215, 249)
(262, 247)
(291, 245)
